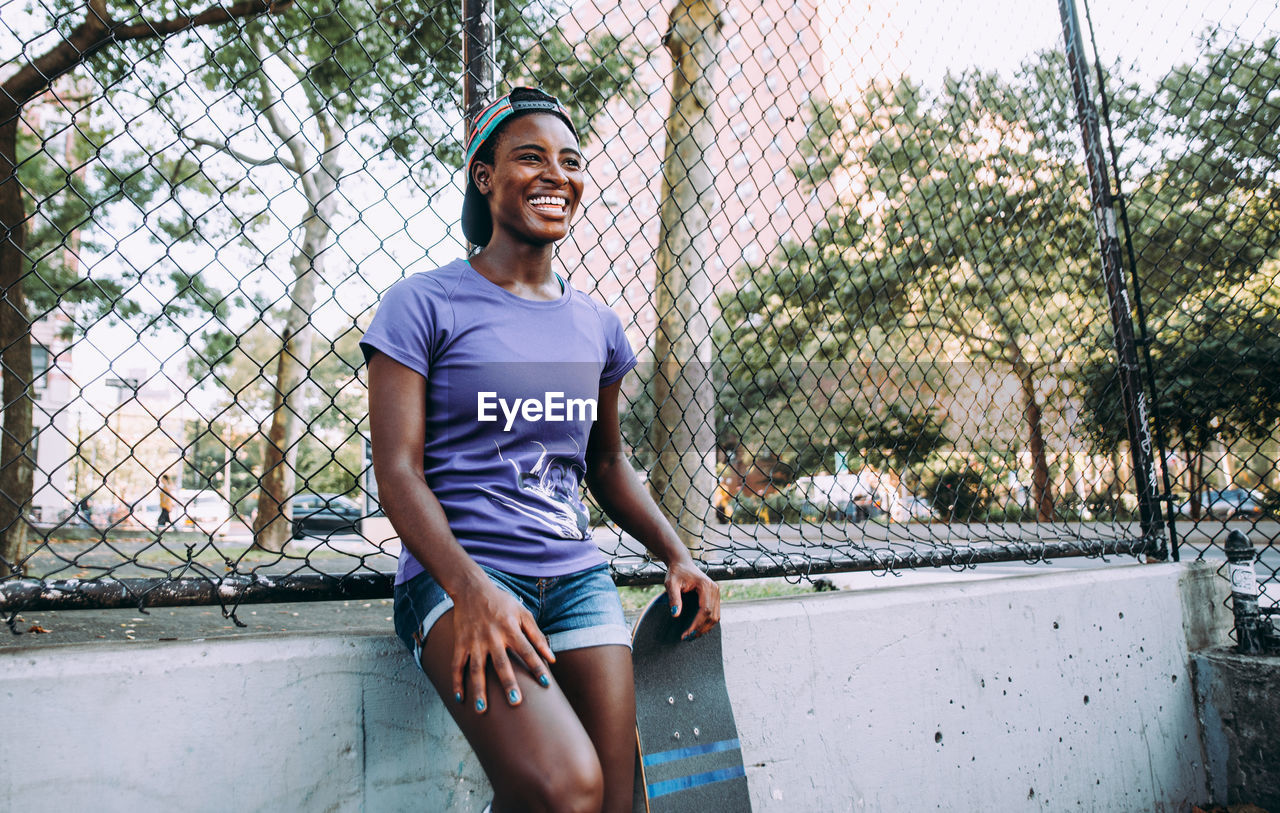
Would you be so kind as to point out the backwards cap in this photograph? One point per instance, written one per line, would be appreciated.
(477, 223)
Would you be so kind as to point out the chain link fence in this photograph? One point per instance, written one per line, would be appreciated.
(870, 294)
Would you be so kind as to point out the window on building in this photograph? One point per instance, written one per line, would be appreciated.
(39, 366)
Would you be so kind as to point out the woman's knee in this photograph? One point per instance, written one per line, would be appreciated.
(567, 780)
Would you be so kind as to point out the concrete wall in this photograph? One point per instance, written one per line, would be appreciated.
(1046, 692)
(1239, 702)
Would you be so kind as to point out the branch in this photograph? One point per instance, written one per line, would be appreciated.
(225, 146)
(331, 128)
(267, 104)
(304, 78)
(211, 16)
(97, 31)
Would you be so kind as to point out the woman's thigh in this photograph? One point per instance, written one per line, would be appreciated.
(537, 755)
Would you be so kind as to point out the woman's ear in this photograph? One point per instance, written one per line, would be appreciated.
(481, 175)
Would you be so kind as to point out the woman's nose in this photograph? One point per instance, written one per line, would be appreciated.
(553, 171)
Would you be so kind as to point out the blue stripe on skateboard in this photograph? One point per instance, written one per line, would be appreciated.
(697, 780)
(691, 751)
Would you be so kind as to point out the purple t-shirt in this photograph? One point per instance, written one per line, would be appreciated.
(512, 386)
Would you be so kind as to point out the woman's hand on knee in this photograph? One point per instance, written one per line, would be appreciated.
(490, 627)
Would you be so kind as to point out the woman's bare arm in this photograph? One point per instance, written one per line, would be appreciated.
(627, 502)
(487, 621)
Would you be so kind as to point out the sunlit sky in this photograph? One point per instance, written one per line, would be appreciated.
(926, 38)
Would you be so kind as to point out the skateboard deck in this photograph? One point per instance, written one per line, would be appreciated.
(690, 758)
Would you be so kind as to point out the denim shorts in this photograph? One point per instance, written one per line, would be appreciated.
(575, 611)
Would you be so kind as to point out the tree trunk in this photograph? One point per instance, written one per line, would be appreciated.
(1272, 457)
(1197, 483)
(1041, 493)
(16, 467)
(683, 433)
(273, 527)
(1118, 479)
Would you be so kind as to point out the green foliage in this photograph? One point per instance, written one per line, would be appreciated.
(748, 509)
(1206, 210)
(1206, 225)
(72, 198)
(980, 236)
(983, 230)
(958, 494)
(1216, 366)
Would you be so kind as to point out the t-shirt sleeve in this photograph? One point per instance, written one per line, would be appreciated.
(619, 358)
(404, 327)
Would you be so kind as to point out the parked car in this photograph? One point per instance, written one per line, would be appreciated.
(1229, 503)
(848, 496)
(324, 515)
(910, 509)
(203, 510)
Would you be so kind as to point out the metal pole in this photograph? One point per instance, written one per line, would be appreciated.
(1104, 214)
(478, 61)
(1251, 629)
(479, 65)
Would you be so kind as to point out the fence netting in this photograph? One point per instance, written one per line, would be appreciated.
(888, 311)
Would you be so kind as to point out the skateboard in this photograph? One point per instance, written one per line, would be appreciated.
(690, 759)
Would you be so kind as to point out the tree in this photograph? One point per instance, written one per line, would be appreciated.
(1205, 216)
(104, 26)
(804, 412)
(1216, 367)
(331, 449)
(1206, 202)
(972, 231)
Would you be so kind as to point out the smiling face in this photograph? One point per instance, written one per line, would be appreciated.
(536, 181)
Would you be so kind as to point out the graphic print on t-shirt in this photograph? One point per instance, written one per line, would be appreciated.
(549, 493)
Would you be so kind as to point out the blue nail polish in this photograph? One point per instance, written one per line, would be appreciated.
(675, 610)
(480, 704)
(544, 681)
(457, 696)
(513, 696)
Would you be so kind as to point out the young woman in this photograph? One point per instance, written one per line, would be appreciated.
(493, 395)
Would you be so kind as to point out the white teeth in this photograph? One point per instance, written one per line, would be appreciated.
(547, 201)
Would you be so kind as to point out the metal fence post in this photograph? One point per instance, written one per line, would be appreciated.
(1252, 631)
(479, 62)
(1132, 396)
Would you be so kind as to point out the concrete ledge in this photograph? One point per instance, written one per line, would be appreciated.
(1239, 700)
(1045, 692)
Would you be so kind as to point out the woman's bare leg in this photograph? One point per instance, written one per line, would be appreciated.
(537, 755)
(599, 682)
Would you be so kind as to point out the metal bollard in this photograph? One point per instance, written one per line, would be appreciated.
(1251, 629)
